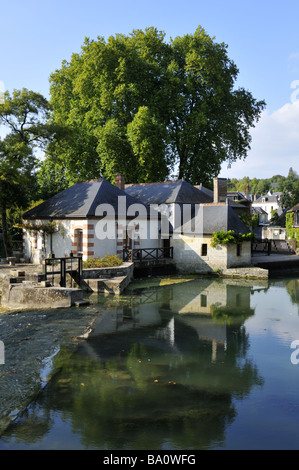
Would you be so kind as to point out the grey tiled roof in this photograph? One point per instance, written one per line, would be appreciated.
(267, 198)
(213, 218)
(179, 192)
(80, 200)
(258, 210)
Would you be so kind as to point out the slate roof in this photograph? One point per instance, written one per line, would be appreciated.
(213, 218)
(236, 195)
(80, 201)
(294, 209)
(265, 199)
(258, 210)
(179, 192)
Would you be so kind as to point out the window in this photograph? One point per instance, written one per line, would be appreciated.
(204, 249)
(79, 241)
(127, 241)
(203, 300)
(239, 246)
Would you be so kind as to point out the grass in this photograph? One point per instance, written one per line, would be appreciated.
(157, 282)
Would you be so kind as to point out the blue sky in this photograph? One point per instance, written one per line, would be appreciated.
(262, 38)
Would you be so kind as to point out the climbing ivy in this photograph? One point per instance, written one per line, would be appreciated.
(224, 238)
(292, 232)
(46, 227)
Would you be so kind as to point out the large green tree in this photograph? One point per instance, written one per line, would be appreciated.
(24, 117)
(142, 106)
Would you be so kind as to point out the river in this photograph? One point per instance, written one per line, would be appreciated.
(197, 364)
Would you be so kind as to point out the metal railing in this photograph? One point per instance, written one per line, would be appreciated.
(147, 254)
(70, 265)
(267, 246)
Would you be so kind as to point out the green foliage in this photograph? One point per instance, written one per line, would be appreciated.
(139, 105)
(287, 185)
(246, 218)
(292, 232)
(45, 227)
(25, 117)
(289, 223)
(230, 237)
(255, 221)
(108, 261)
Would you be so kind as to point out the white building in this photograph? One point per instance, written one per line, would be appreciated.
(95, 218)
(269, 202)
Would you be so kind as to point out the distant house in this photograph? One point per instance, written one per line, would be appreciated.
(262, 214)
(268, 203)
(295, 211)
(236, 196)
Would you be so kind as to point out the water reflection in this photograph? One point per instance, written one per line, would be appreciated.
(292, 287)
(160, 370)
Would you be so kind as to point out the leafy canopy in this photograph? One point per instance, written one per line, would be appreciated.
(24, 115)
(145, 107)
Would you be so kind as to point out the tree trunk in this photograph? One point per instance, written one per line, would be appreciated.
(7, 246)
(181, 167)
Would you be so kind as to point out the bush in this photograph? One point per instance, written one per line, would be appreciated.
(106, 262)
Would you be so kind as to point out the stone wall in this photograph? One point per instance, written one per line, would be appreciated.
(195, 254)
(125, 269)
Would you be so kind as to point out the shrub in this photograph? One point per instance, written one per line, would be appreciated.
(106, 262)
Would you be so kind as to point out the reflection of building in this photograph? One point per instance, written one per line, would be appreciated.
(205, 306)
(204, 311)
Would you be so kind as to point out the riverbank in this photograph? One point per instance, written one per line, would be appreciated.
(36, 343)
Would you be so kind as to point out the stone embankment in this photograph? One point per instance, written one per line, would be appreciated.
(19, 292)
(112, 280)
(246, 273)
(26, 287)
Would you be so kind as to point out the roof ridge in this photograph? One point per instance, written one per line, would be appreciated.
(94, 180)
(151, 184)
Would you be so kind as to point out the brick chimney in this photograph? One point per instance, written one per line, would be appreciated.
(120, 181)
(220, 190)
(247, 194)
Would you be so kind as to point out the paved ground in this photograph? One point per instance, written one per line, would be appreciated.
(273, 258)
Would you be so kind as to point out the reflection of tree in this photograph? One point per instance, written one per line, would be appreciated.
(293, 290)
(146, 389)
(33, 424)
(229, 315)
(146, 392)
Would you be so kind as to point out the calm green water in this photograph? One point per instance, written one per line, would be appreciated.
(202, 364)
